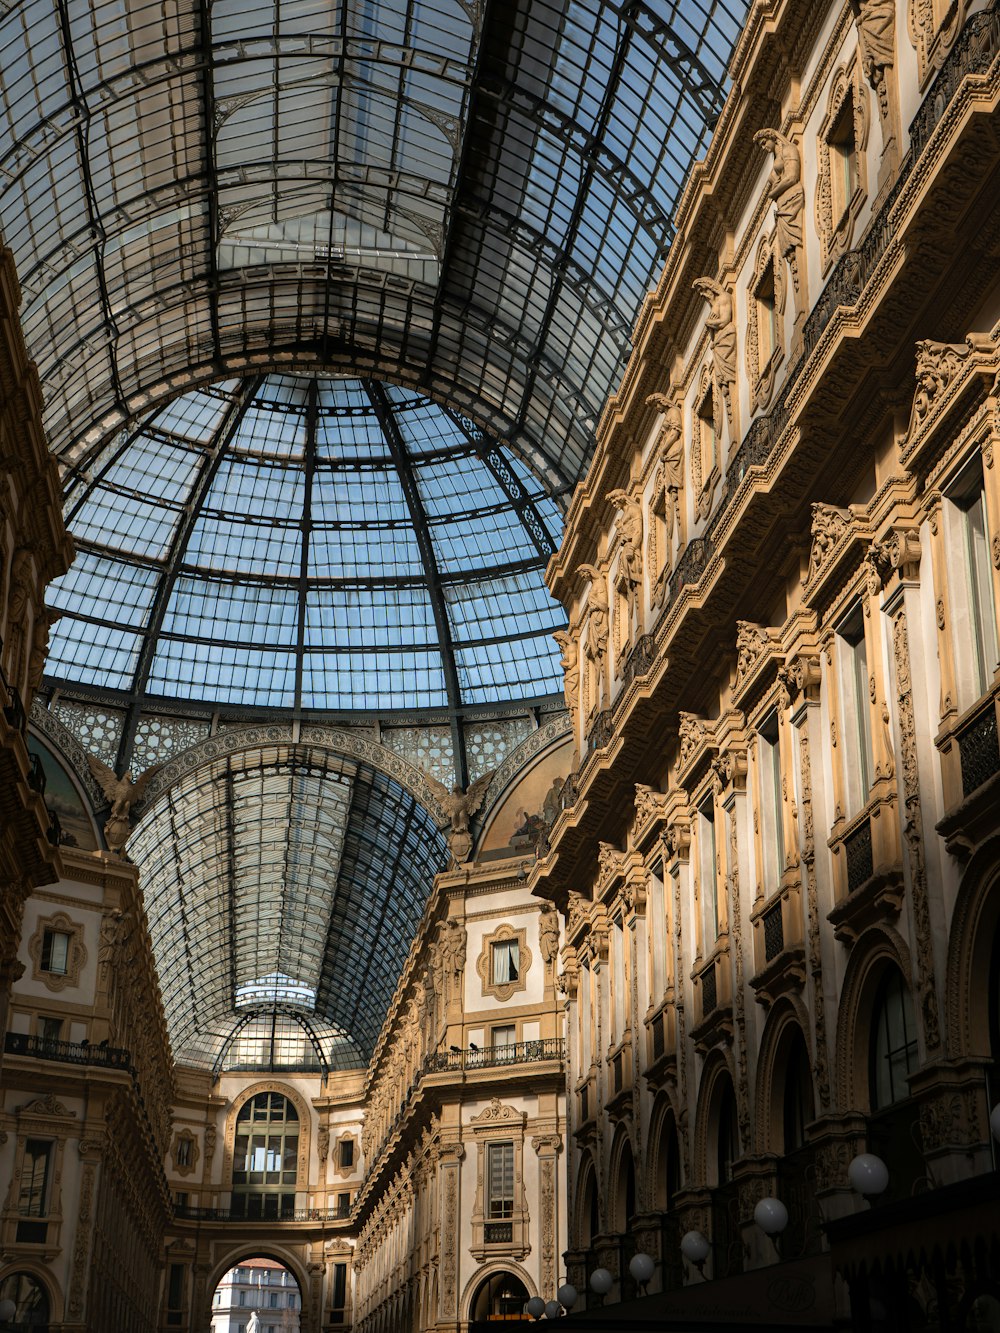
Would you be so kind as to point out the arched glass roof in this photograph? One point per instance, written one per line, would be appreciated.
(286, 542)
(283, 879)
(471, 196)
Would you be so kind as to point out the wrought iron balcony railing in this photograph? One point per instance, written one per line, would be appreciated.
(68, 1052)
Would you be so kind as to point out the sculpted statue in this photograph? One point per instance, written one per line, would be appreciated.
(630, 531)
(20, 587)
(452, 941)
(784, 186)
(876, 23)
(597, 626)
(548, 933)
(40, 646)
(671, 459)
(123, 794)
(570, 663)
(721, 324)
(460, 806)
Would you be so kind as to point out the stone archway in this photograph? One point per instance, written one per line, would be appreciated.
(294, 1258)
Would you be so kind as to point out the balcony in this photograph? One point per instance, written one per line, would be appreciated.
(187, 1213)
(68, 1052)
(493, 1057)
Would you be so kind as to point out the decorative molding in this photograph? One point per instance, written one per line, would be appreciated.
(76, 952)
(503, 990)
(239, 739)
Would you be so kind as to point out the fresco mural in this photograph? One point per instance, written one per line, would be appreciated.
(62, 797)
(528, 811)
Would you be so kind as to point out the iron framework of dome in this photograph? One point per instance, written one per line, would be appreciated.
(470, 196)
(305, 546)
(283, 885)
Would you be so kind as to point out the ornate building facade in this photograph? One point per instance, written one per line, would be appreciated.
(639, 977)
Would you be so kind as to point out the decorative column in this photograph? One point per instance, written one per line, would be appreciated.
(449, 1175)
(803, 678)
(897, 559)
(548, 1147)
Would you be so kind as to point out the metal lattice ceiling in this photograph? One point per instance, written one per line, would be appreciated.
(470, 196)
(320, 545)
(283, 877)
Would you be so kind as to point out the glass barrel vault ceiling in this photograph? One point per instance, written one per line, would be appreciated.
(325, 544)
(282, 879)
(471, 196)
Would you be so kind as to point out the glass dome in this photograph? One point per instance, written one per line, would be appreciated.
(289, 542)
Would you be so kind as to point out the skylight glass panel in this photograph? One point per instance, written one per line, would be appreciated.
(194, 416)
(230, 570)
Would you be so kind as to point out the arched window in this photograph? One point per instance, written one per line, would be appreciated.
(893, 1049)
(265, 1157)
(31, 1302)
(501, 1296)
(797, 1102)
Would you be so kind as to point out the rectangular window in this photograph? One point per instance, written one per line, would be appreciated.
(506, 961)
(33, 1199)
(708, 865)
(979, 584)
(344, 1203)
(175, 1287)
(658, 933)
(183, 1157)
(55, 952)
(339, 1287)
(500, 1179)
(618, 980)
(346, 1153)
(858, 758)
(767, 318)
(504, 1037)
(272, 1300)
(771, 803)
(51, 1030)
(843, 161)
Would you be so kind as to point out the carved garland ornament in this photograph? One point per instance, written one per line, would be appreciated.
(769, 270)
(938, 366)
(933, 36)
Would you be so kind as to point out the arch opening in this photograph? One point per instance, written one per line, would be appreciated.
(257, 1295)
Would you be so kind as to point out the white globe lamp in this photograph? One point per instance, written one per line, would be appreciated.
(868, 1175)
(642, 1267)
(553, 1309)
(601, 1281)
(995, 1122)
(535, 1306)
(771, 1216)
(695, 1247)
(566, 1295)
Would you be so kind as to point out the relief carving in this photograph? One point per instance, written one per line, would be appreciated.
(751, 643)
(938, 365)
(597, 632)
(629, 579)
(828, 526)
